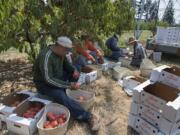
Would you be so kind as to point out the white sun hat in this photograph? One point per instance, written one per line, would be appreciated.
(64, 41)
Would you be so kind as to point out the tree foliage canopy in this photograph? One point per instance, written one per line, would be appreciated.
(169, 13)
(30, 24)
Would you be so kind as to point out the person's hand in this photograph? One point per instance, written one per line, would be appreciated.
(75, 86)
(76, 74)
(99, 53)
(92, 58)
(130, 53)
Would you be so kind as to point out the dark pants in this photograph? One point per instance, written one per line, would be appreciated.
(136, 62)
(59, 96)
(81, 61)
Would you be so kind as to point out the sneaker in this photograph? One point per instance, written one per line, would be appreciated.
(94, 123)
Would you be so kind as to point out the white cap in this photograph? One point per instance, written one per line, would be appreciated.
(64, 41)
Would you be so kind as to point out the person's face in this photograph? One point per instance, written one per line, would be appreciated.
(61, 50)
(130, 41)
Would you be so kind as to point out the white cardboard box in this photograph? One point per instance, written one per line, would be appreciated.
(92, 76)
(169, 128)
(105, 66)
(25, 126)
(154, 118)
(167, 75)
(148, 114)
(160, 97)
(130, 82)
(82, 78)
(5, 106)
(137, 91)
(142, 126)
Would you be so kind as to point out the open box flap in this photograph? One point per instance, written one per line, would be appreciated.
(40, 100)
(28, 92)
(170, 79)
(6, 109)
(20, 120)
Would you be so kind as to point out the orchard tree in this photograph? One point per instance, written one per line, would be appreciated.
(29, 25)
(169, 13)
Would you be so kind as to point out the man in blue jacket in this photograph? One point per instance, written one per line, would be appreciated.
(112, 44)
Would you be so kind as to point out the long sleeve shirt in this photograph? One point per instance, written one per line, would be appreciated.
(112, 44)
(84, 50)
(49, 69)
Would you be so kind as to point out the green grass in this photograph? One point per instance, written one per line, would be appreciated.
(127, 34)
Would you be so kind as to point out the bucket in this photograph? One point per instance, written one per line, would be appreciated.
(75, 94)
(119, 73)
(57, 109)
(125, 62)
(146, 67)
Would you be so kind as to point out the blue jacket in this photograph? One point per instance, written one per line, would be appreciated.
(112, 44)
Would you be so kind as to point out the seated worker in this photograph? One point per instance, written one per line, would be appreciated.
(89, 51)
(53, 74)
(112, 44)
(139, 52)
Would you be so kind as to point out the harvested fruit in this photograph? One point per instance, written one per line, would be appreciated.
(51, 116)
(32, 111)
(47, 124)
(54, 120)
(54, 123)
(81, 98)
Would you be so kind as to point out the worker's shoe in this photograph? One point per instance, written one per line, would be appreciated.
(94, 123)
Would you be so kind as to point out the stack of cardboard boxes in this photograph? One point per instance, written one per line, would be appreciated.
(155, 109)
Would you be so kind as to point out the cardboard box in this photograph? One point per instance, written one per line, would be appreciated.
(137, 91)
(17, 124)
(160, 97)
(92, 76)
(167, 75)
(168, 127)
(130, 82)
(147, 114)
(6, 104)
(142, 126)
(105, 66)
(82, 78)
(172, 110)
(154, 118)
(157, 95)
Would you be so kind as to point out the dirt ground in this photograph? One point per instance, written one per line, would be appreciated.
(111, 102)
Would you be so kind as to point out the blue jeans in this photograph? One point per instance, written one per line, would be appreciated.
(80, 62)
(115, 55)
(59, 96)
